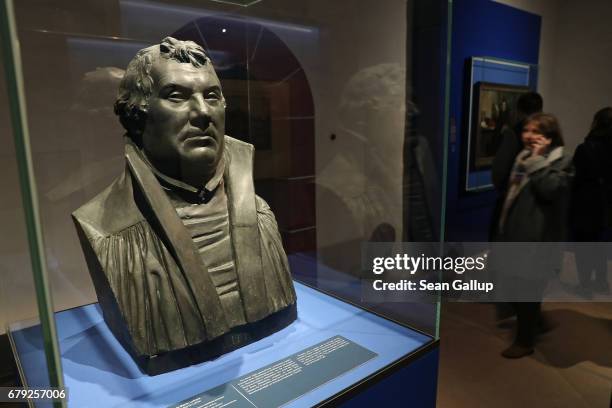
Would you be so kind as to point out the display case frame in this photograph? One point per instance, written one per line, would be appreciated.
(359, 326)
(286, 175)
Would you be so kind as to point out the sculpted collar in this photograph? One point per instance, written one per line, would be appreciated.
(205, 193)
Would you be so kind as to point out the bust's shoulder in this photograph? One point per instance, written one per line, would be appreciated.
(112, 210)
(232, 144)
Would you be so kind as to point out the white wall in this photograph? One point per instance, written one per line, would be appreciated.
(361, 42)
(575, 60)
(359, 173)
(583, 61)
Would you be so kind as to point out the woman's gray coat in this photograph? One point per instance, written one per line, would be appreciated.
(539, 213)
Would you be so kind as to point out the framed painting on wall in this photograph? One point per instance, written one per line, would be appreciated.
(494, 107)
(492, 88)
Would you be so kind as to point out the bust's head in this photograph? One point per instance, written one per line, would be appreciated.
(171, 104)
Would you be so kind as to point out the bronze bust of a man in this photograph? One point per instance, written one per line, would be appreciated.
(186, 260)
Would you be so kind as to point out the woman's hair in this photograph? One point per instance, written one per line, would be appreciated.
(602, 123)
(548, 126)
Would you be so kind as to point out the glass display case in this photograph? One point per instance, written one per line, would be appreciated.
(345, 104)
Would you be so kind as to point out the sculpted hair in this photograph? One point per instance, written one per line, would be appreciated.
(137, 84)
(549, 126)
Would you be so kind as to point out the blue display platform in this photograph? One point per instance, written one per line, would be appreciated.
(99, 372)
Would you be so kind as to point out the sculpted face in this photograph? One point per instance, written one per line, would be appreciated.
(183, 135)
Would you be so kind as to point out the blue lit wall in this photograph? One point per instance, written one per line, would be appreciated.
(479, 28)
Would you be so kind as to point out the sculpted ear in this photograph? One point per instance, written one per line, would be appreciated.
(132, 100)
(133, 119)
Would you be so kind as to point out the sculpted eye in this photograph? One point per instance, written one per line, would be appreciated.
(176, 96)
(213, 96)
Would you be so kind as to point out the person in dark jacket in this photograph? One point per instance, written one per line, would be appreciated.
(591, 211)
(535, 209)
(510, 146)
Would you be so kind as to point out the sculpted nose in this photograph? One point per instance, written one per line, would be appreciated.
(200, 111)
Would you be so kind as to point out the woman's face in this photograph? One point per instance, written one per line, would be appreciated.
(532, 136)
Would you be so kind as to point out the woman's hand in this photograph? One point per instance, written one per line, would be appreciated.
(539, 145)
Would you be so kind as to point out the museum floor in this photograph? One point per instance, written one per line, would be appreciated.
(572, 365)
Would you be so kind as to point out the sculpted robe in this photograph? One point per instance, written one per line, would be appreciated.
(152, 285)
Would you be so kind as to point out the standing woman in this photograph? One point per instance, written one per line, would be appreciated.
(535, 209)
(591, 213)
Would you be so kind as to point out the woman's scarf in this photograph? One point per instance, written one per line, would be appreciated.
(524, 166)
